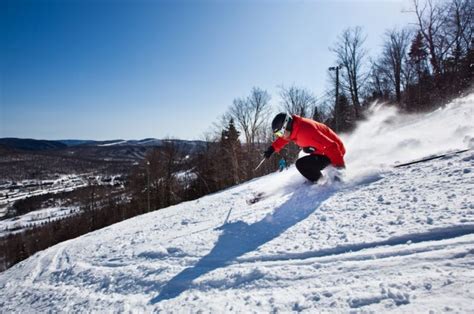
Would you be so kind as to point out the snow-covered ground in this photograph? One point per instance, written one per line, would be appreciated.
(37, 217)
(385, 239)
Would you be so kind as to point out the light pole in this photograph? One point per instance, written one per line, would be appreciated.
(336, 106)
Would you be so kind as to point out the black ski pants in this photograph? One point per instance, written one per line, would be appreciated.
(310, 166)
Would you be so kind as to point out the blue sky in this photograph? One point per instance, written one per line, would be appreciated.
(134, 69)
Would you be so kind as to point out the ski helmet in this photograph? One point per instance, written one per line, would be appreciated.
(281, 123)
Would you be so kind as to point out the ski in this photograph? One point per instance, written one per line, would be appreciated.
(255, 198)
(430, 158)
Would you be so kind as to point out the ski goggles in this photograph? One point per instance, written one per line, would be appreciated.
(281, 131)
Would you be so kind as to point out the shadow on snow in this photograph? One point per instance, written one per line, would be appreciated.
(238, 238)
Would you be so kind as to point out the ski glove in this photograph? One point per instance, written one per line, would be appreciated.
(309, 149)
(270, 150)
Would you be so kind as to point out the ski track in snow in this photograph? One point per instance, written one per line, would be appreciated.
(385, 240)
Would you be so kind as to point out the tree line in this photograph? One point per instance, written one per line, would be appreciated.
(420, 67)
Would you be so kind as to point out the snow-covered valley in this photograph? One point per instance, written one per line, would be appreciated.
(386, 238)
(14, 191)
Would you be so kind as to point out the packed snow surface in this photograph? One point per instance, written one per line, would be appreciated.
(384, 239)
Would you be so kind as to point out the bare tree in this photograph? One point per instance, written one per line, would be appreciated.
(159, 175)
(298, 101)
(378, 83)
(433, 21)
(351, 55)
(459, 30)
(409, 72)
(251, 117)
(393, 57)
(251, 114)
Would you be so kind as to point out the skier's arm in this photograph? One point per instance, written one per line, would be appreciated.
(279, 143)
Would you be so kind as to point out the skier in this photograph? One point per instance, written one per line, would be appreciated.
(317, 139)
(282, 163)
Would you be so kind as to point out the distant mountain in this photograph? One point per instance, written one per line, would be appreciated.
(75, 142)
(31, 144)
(118, 150)
(29, 158)
(136, 149)
(144, 142)
(119, 142)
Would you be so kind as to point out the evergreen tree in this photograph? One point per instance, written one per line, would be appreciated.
(231, 152)
(344, 114)
(418, 56)
(317, 114)
(417, 97)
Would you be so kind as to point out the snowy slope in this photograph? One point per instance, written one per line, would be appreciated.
(385, 239)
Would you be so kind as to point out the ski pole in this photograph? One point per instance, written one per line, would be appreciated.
(260, 164)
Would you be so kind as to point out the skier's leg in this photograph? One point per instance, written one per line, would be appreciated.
(305, 166)
(310, 166)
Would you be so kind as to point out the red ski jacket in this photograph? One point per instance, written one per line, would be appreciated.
(309, 133)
